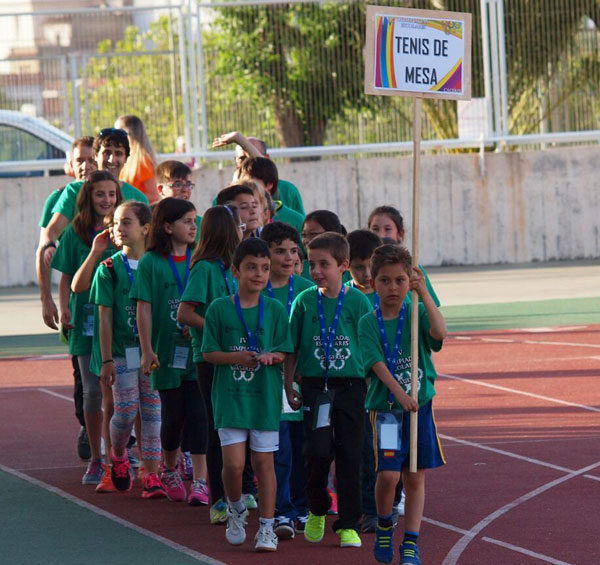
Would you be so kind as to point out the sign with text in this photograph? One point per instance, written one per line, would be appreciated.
(421, 53)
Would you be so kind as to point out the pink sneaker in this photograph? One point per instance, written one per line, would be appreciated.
(153, 488)
(198, 493)
(173, 485)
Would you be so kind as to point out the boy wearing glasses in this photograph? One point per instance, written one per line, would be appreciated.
(174, 181)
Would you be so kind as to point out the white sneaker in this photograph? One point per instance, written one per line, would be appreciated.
(400, 506)
(266, 539)
(235, 532)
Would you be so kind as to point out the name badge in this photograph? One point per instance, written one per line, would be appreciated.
(132, 358)
(87, 328)
(179, 354)
(389, 430)
(322, 417)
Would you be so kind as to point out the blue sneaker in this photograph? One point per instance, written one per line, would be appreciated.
(383, 550)
(93, 473)
(409, 554)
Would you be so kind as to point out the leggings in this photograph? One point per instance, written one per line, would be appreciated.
(178, 406)
(132, 391)
(92, 393)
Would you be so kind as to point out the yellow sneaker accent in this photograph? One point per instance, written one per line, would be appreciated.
(349, 538)
(314, 530)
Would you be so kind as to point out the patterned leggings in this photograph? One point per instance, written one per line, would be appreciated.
(132, 390)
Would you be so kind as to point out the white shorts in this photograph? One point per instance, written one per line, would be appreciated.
(261, 441)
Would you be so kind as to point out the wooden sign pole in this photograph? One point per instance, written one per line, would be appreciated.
(414, 330)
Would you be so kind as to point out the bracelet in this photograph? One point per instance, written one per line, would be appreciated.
(107, 361)
(51, 244)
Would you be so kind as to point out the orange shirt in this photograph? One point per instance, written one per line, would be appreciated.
(144, 172)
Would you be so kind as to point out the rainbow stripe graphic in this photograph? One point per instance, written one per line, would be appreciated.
(385, 77)
(452, 81)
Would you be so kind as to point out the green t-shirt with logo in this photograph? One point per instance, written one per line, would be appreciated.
(69, 256)
(114, 293)
(48, 205)
(156, 284)
(345, 358)
(67, 203)
(281, 294)
(373, 352)
(205, 285)
(243, 397)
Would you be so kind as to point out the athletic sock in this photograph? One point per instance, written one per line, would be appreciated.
(385, 521)
(268, 522)
(411, 537)
(237, 505)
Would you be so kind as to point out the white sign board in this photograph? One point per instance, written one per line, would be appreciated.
(422, 53)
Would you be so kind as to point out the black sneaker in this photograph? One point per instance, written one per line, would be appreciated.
(83, 445)
(284, 528)
(300, 523)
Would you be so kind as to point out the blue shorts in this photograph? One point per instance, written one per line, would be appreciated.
(429, 450)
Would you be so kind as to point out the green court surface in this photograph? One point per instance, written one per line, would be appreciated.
(31, 345)
(39, 520)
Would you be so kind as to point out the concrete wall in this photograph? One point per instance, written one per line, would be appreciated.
(526, 206)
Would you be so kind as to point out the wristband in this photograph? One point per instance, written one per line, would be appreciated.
(51, 244)
(107, 361)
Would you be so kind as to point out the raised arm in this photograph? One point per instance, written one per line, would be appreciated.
(237, 137)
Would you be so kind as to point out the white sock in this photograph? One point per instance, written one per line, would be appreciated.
(266, 522)
(237, 505)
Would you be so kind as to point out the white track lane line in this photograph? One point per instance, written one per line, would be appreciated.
(521, 392)
(169, 543)
(459, 547)
(52, 393)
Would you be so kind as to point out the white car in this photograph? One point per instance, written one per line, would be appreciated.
(25, 140)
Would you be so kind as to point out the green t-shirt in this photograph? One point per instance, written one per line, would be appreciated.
(114, 293)
(284, 213)
(373, 352)
(281, 294)
(290, 195)
(242, 397)
(155, 283)
(198, 224)
(205, 285)
(49, 204)
(69, 256)
(67, 203)
(345, 355)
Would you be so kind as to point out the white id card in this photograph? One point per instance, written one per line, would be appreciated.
(323, 416)
(180, 357)
(132, 357)
(388, 437)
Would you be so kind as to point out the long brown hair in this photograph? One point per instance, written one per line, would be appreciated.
(167, 211)
(218, 235)
(85, 220)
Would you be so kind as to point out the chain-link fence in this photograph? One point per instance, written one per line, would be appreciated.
(292, 73)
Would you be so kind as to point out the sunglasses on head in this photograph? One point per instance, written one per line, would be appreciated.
(113, 131)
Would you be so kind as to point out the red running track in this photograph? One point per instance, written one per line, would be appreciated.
(519, 417)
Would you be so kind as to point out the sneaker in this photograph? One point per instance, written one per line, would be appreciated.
(93, 473)
(218, 512)
(284, 528)
(300, 523)
(400, 506)
(198, 493)
(409, 554)
(250, 501)
(153, 487)
(236, 526)
(83, 445)
(333, 509)
(187, 467)
(383, 551)
(121, 472)
(133, 460)
(266, 539)
(173, 486)
(349, 538)
(368, 524)
(314, 529)
(106, 484)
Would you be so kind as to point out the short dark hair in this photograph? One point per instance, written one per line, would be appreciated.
(85, 141)
(261, 168)
(327, 219)
(113, 136)
(390, 254)
(392, 213)
(229, 193)
(362, 244)
(167, 211)
(277, 232)
(333, 242)
(171, 170)
(252, 246)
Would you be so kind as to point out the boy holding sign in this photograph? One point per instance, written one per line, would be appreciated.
(246, 337)
(385, 337)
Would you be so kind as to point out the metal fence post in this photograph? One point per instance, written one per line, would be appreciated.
(65, 80)
(200, 49)
(193, 86)
(184, 80)
(75, 94)
(502, 64)
(485, 45)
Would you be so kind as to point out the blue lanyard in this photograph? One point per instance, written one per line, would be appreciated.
(391, 358)
(376, 301)
(328, 341)
(180, 285)
(252, 336)
(225, 278)
(290, 293)
(130, 277)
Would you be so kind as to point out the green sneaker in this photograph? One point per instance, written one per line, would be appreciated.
(218, 512)
(314, 530)
(349, 538)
